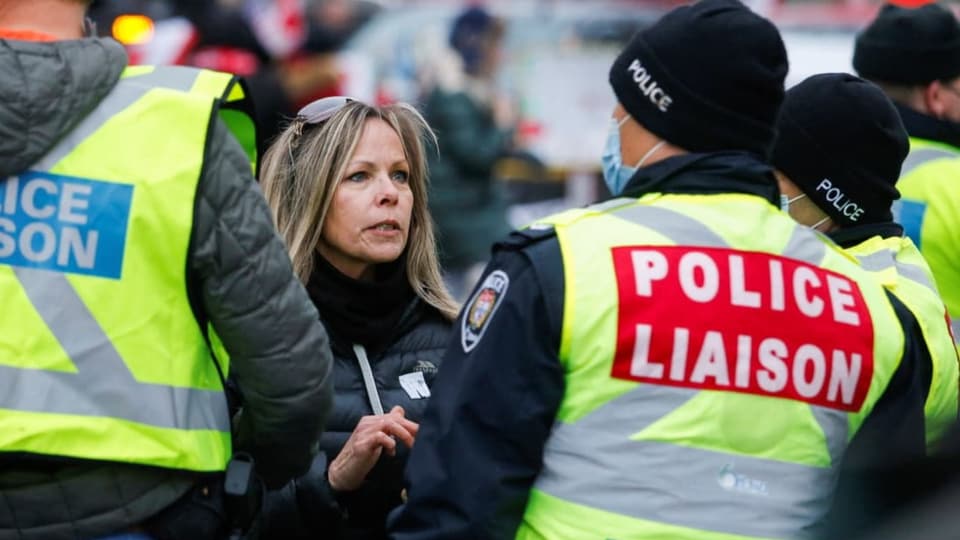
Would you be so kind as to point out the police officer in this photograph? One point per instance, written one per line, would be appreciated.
(682, 361)
(130, 223)
(838, 153)
(913, 54)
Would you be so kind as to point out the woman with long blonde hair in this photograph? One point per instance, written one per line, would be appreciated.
(347, 185)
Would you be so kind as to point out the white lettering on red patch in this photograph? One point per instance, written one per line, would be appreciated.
(749, 322)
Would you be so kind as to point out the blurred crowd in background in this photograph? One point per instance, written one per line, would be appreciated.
(527, 144)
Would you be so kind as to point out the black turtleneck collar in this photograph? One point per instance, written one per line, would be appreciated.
(922, 126)
(848, 237)
(705, 174)
(368, 313)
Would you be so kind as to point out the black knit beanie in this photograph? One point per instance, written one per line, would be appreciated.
(706, 77)
(909, 46)
(841, 141)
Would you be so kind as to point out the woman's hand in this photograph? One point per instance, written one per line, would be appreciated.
(372, 436)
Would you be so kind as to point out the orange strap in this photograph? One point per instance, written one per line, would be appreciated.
(25, 35)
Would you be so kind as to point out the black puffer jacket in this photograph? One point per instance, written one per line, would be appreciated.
(308, 508)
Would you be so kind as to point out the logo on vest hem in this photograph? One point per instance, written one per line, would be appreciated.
(730, 480)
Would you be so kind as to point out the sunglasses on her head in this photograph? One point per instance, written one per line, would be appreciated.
(321, 110)
(314, 113)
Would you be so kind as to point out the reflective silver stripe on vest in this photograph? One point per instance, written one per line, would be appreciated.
(955, 327)
(879, 261)
(803, 244)
(920, 156)
(127, 91)
(667, 483)
(806, 246)
(917, 275)
(612, 203)
(594, 462)
(679, 228)
(180, 78)
(836, 427)
(103, 385)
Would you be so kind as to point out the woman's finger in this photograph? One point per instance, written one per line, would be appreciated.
(398, 431)
(367, 421)
(397, 414)
(409, 425)
(387, 443)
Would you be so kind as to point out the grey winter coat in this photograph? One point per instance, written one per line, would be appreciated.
(242, 282)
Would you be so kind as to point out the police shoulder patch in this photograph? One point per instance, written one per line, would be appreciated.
(481, 308)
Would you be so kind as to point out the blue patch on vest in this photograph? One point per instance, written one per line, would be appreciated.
(910, 214)
(65, 224)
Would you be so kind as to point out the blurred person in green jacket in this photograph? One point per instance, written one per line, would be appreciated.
(474, 129)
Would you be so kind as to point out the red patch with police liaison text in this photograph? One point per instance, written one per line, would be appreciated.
(721, 319)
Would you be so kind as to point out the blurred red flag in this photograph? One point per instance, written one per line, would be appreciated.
(280, 25)
(911, 3)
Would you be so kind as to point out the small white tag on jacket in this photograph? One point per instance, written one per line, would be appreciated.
(414, 385)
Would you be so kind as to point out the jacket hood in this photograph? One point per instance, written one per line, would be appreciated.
(46, 88)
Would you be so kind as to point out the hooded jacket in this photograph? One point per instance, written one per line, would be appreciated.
(240, 280)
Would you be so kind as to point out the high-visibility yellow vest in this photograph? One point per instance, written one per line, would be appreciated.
(233, 105)
(102, 357)
(898, 264)
(930, 213)
(718, 359)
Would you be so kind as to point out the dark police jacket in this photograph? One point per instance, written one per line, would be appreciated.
(479, 449)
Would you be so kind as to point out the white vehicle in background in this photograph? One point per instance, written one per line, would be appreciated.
(557, 56)
(819, 36)
(556, 60)
(817, 49)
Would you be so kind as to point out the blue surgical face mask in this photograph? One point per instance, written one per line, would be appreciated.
(786, 201)
(615, 173)
(785, 206)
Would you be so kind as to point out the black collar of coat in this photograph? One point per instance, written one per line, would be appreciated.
(706, 174)
(852, 236)
(922, 126)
